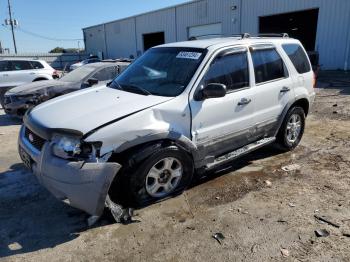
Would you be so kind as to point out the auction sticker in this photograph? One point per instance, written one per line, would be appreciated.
(189, 55)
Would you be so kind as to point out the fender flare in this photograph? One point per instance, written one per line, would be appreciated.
(179, 139)
(285, 111)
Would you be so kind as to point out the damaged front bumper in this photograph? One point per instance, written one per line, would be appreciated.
(83, 185)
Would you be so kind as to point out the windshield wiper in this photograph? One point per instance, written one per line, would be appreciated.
(132, 87)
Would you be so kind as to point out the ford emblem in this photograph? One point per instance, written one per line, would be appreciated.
(31, 138)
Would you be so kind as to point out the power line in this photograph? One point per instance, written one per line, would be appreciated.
(46, 37)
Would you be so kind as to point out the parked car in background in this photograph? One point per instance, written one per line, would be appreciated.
(15, 72)
(90, 60)
(179, 108)
(19, 99)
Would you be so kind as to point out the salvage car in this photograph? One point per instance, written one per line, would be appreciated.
(90, 60)
(19, 99)
(15, 72)
(179, 110)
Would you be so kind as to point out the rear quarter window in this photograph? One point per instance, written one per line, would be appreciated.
(36, 65)
(268, 65)
(298, 57)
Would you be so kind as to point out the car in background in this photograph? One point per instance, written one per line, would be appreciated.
(15, 72)
(90, 60)
(19, 99)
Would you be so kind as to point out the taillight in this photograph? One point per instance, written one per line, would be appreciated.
(55, 74)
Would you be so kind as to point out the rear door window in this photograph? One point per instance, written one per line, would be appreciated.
(21, 65)
(298, 57)
(105, 74)
(268, 65)
(230, 70)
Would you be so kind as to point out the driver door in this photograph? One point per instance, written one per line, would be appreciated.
(220, 125)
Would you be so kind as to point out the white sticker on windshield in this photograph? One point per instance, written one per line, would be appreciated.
(189, 55)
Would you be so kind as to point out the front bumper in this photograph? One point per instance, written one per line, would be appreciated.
(17, 109)
(83, 185)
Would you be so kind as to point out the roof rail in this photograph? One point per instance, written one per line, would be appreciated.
(283, 35)
(242, 36)
(200, 36)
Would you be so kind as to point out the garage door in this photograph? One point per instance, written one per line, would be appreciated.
(301, 25)
(205, 30)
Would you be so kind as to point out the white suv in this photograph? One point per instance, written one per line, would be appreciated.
(180, 109)
(15, 72)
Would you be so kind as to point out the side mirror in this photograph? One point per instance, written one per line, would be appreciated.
(92, 81)
(212, 90)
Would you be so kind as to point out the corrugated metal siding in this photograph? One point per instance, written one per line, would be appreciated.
(331, 40)
(121, 38)
(332, 29)
(208, 12)
(162, 21)
(95, 40)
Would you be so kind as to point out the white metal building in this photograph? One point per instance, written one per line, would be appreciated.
(322, 25)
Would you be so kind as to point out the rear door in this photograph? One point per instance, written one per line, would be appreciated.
(273, 88)
(220, 125)
(22, 72)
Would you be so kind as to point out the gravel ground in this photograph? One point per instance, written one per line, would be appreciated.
(265, 211)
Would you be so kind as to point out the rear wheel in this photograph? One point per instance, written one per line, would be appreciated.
(165, 172)
(292, 129)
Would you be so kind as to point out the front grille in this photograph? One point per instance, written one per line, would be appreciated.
(34, 139)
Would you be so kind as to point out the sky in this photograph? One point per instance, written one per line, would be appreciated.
(64, 19)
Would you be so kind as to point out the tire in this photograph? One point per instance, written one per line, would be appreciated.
(292, 129)
(133, 186)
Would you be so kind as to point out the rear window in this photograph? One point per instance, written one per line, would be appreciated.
(298, 57)
(268, 65)
(21, 65)
(36, 65)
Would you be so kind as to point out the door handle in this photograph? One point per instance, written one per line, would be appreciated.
(32, 73)
(5, 75)
(244, 101)
(285, 89)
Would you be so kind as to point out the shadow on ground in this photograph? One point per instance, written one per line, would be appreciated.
(337, 80)
(6, 120)
(31, 219)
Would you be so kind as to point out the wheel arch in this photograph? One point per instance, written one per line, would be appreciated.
(142, 148)
(40, 79)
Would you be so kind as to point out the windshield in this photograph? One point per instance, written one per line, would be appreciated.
(78, 74)
(160, 71)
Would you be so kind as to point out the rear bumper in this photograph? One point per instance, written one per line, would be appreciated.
(83, 185)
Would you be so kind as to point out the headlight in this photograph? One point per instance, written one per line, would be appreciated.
(71, 147)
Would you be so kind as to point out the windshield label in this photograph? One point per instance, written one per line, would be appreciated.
(189, 55)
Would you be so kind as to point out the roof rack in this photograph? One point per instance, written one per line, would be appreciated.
(207, 35)
(283, 35)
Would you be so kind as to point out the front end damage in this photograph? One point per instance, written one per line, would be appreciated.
(83, 184)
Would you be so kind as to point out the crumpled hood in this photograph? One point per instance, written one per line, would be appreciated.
(88, 109)
(36, 87)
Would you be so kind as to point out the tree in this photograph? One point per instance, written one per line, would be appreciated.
(58, 50)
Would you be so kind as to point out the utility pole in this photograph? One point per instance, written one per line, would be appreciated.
(12, 29)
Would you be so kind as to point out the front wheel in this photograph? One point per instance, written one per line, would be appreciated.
(165, 172)
(292, 129)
